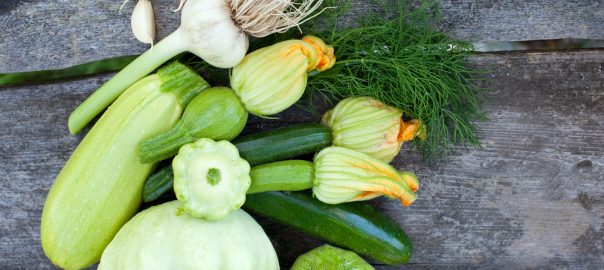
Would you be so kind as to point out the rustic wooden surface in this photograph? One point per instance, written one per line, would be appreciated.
(41, 34)
(532, 197)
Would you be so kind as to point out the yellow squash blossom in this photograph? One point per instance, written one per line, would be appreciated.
(344, 175)
(271, 79)
(369, 126)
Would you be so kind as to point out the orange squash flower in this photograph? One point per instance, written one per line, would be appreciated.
(370, 126)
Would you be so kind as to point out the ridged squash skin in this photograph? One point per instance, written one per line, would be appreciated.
(216, 113)
(165, 237)
(100, 187)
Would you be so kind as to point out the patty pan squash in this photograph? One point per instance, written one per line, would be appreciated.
(164, 237)
(210, 178)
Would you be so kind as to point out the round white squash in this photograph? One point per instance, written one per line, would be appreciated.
(165, 237)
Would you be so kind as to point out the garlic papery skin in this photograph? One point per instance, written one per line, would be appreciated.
(271, 79)
(211, 33)
(143, 22)
(369, 126)
(344, 175)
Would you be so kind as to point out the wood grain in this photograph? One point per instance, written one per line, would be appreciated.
(530, 198)
(512, 20)
(55, 34)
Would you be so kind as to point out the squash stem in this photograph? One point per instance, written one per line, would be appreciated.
(181, 81)
(184, 84)
(108, 92)
(165, 145)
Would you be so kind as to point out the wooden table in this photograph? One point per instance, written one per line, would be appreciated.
(532, 197)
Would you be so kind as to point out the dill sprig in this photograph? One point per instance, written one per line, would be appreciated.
(402, 59)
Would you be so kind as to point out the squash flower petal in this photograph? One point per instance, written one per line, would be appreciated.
(369, 126)
(271, 79)
(344, 175)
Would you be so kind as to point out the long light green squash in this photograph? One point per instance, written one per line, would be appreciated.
(100, 187)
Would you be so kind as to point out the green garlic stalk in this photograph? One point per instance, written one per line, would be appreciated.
(210, 178)
(369, 126)
(344, 175)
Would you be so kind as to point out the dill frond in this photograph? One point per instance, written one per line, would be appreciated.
(402, 59)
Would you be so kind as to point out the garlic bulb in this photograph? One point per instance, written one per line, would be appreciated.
(209, 32)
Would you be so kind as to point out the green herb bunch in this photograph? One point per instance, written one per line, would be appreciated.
(403, 60)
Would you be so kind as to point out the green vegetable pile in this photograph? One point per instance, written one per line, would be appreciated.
(392, 78)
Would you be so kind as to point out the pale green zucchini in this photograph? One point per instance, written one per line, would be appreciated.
(100, 187)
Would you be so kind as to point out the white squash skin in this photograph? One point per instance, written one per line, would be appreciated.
(200, 199)
(165, 237)
(211, 34)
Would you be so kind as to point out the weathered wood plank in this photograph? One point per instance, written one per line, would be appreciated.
(531, 198)
(54, 34)
(506, 20)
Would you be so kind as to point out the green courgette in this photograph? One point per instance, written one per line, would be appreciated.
(216, 113)
(259, 148)
(290, 175)
(158, 183)
(355, 226)
(283, 143)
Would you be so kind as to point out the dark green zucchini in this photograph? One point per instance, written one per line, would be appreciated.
(158, 183)
(287, 175)
(259, 148)
(283, 143)
(355, 226)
